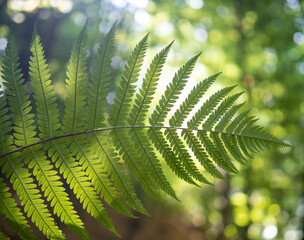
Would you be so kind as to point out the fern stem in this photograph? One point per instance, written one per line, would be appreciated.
(130, 127)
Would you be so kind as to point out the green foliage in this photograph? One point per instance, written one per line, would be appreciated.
(89, 149)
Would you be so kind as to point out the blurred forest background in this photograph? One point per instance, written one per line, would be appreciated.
(258, 45)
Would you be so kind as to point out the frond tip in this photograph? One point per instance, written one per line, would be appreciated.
(98, 148)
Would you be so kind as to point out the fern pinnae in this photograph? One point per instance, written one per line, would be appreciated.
(192, 99)
(152, 163)
(233, 149)
(119, 112)
(214, 150)
(46, 107)
(138, 114)
(78, 182)
(201, 154)
(172, 91)
(73, 120)
(181, 151)
(137, 168)
(14, 216)
(103, 186)
(163, 147)
(222, 151)
(207, 107)
(24, 133)
(98, 86)
(144, 97)
(236, 139)
(121, 105)
(99, 82)
(121, 181)
(43, 90)
(74, 114)
(222, 124)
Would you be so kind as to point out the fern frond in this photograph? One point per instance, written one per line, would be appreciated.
(91, 156)
(126, 89)
(48, 119)
(172, 91)
(12, 214)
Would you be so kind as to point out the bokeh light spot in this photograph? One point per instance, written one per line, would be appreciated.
(18, 17)
(196, 4)
(239, 199)
(298, 38)
(3, 43)
(270, 232)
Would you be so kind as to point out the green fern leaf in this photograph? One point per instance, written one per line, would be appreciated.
(79, 145)
(98, 86)
(24, 134)
(8, 207)
(164, 148)
(193, 98)
(110, 161)
(126, 90)
(91, 156)
(48, 119)
(138, 116)
(144, 97)
(208, 107)
(171, 94)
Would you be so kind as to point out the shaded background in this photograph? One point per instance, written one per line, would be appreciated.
(258, 45)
